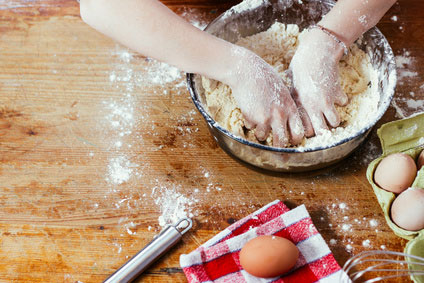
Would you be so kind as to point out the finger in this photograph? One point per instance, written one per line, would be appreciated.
(306, 121)
(318, 122)
(262, 131)
(296, 129)
(249, 125)
(340, 98)
(289, 80)
(279, 130)
(307, 125)
(333, 118)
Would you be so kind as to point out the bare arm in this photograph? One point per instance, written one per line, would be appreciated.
(349, 19)
(149, 27)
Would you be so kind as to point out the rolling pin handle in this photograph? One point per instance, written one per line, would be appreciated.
(160, 244)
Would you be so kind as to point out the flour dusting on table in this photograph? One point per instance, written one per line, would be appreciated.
(412, 101)
(120, 170)
(173, 205)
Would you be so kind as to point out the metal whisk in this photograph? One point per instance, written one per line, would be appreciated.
(382, 262)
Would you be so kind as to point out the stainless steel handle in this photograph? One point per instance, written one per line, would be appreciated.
(150, 253)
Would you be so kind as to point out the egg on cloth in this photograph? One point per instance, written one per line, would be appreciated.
(268, 256)
(396, 172)
(407, 209)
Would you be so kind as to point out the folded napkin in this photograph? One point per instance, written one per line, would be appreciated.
(217, 260)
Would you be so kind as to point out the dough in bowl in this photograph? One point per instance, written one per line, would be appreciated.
(277, 46)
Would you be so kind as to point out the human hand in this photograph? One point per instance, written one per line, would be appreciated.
(264, 100)
(316, 84)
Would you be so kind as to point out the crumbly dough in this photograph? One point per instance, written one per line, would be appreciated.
(277, 46)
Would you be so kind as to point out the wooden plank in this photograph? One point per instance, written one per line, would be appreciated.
(92, 136)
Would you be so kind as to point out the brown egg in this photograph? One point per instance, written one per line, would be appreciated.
(396, 172)
(420, 160)
(408, 209)
(268, 256)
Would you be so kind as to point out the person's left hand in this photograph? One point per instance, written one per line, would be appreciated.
(264, 100)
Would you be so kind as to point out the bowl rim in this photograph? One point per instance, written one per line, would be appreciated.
(211, 122)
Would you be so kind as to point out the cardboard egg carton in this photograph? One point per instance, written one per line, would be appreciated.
(402, 136)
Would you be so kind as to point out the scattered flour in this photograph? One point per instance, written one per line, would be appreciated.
(363, 20)
(120, 119)
(366, 243)
(370, 151)
(373, 223)
(399, 112)
(124, 55)
(161, 73)
(172, 204)
(411, 130)
(128, 227)
(342, 205)
(120, 116)
(152, 73)
(118, 144)
(407, 75)
(347, 227)
(405, 67)
(119, 169)
(193, 17)
(119, 247)
(402, 61)
(248, 5)
(120, 113)
(415, 104)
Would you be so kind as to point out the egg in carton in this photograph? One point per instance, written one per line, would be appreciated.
(402, 141)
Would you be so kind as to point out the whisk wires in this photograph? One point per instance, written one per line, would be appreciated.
(380, 265)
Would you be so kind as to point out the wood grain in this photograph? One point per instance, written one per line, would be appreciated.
(63, 218)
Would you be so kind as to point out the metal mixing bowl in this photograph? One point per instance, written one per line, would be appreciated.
(236, 23)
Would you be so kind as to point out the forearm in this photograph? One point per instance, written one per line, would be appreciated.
(150, 28)
(349, 19)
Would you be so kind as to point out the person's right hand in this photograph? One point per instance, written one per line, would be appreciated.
(264, 100)
(316, 81)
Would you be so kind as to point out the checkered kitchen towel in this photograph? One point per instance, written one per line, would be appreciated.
(218, 259)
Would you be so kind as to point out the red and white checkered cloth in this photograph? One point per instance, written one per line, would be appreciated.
(217, 260)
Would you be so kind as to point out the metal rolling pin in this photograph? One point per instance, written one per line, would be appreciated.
(162, 242)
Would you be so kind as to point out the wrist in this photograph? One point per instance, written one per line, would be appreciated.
(219, 60)
(332, 35)
(323, 42)
(232, 64)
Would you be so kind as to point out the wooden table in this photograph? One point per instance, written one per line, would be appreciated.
(93, 137)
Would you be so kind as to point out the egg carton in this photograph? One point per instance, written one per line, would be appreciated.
(402, 136)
